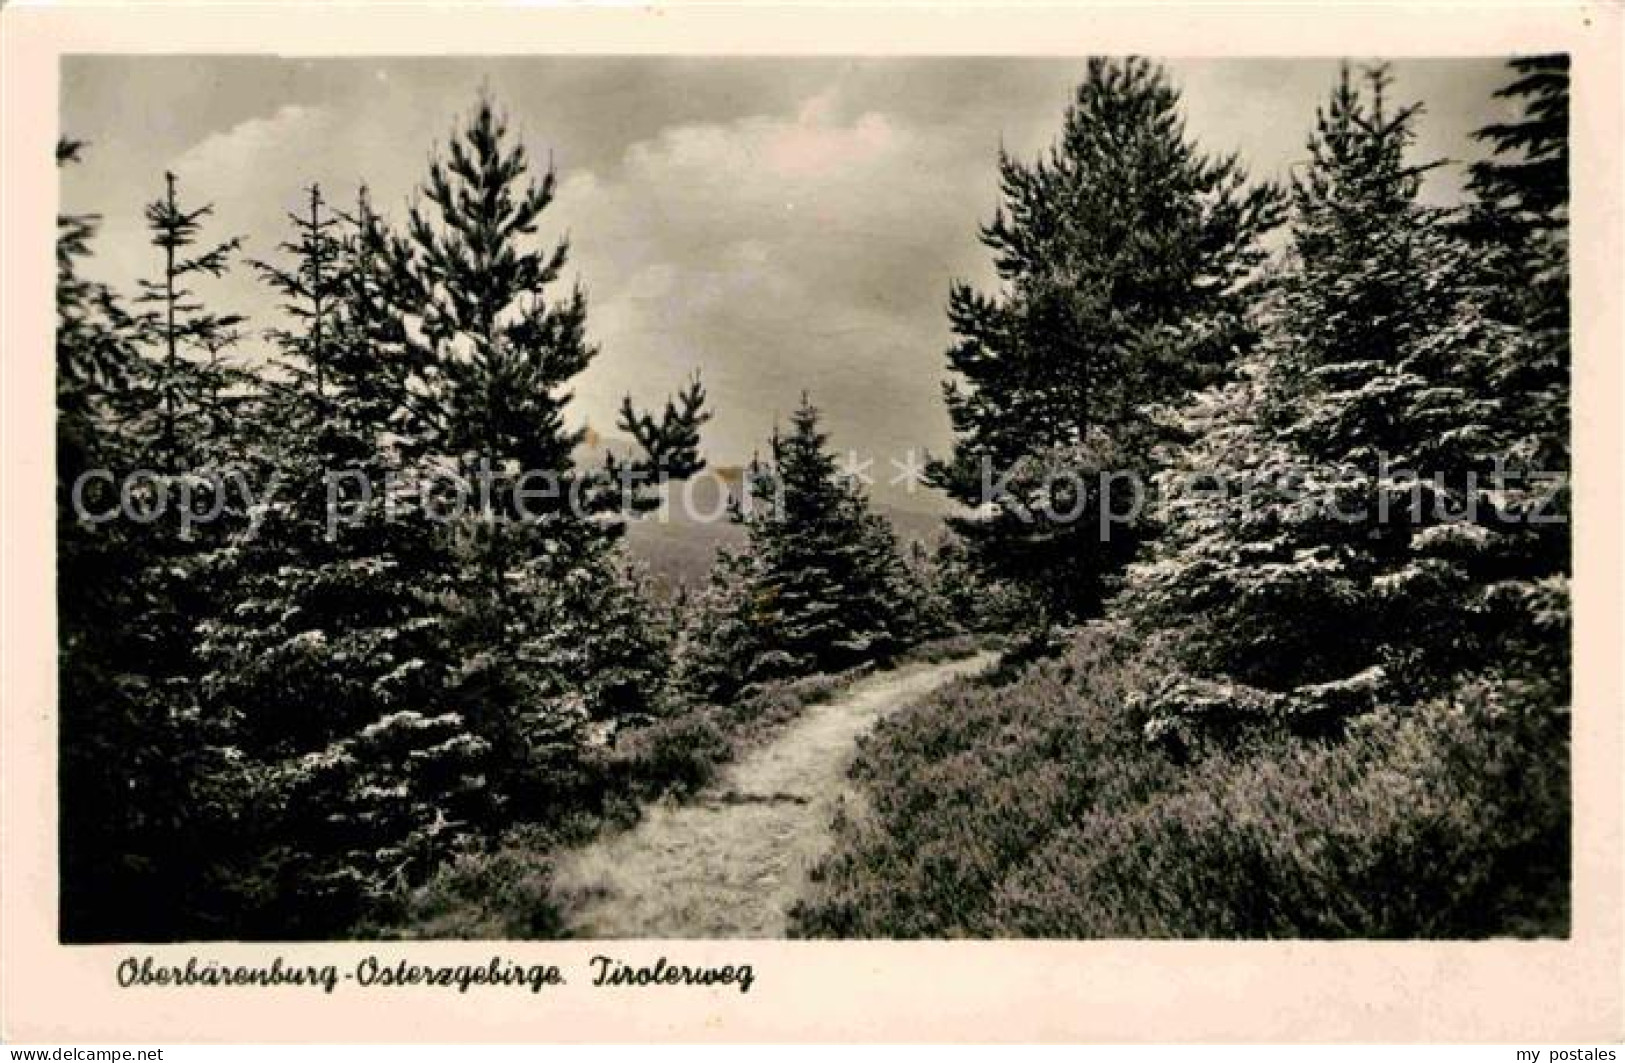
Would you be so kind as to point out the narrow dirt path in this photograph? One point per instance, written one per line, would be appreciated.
(730, 863)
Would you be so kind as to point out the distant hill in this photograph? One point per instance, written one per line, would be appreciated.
(679, 542)
(678, 548)
(680, 551)
(911, 524)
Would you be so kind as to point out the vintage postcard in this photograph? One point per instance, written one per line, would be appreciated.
(750, 523)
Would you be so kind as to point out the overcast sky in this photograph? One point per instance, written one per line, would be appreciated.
(777, 224)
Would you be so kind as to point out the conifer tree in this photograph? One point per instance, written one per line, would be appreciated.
(95, 356)
(1518, 222)
(499, 349)
(374, 360)
(719, 634)
(135, 755)
(1337, 531)
(312, 289)
(1522, 189)
(183, 396)
(95, 343)
(333, 665)
(494, 349)
(822, 585)
(957, 597)
(1122, 253)
(824, 559)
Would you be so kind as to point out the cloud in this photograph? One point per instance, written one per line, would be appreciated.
(813, 146)
(250, 174)
(778, 224)
(256, 146)
(806, 250)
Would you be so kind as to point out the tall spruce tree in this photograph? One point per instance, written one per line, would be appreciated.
(1523, 187)
(1338, 533)
(821, 586)
(719, 634)
(1123, 254)
(332, 665)
(188, 387)
(1518, 221)
(494, 351)
(376, 360)
(1519, 224)
(95, 340)
(137, 758)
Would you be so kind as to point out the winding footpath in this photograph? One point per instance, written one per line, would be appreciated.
(731, 862)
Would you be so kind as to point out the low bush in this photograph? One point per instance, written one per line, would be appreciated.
(677, 755)
(1036, 808)
(1448, 820)
(965, 785)
(502, 894)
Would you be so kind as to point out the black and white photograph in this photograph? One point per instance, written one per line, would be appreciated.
(703, 524)
(656, 497)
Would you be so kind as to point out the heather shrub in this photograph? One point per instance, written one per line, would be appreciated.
(502, 894)
(968, 783)
(1037, 808)
(1446, 820)
(678, 755)
(951, 647)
